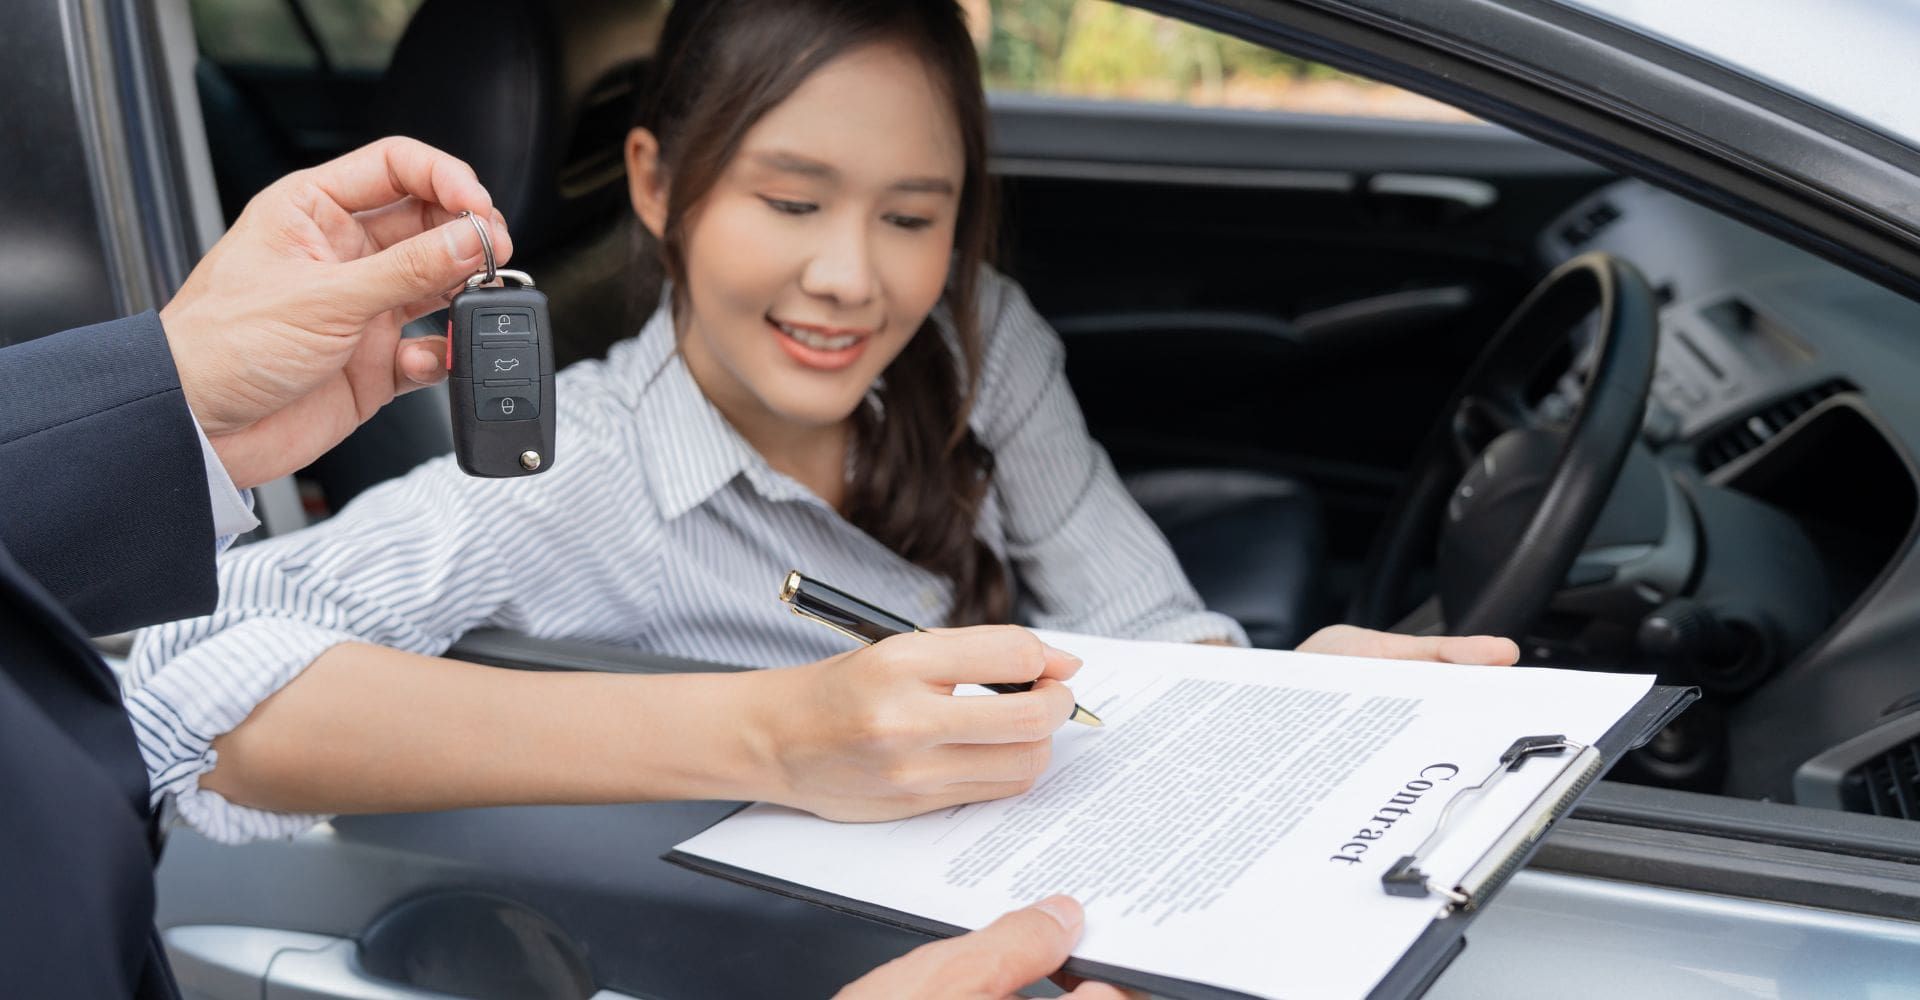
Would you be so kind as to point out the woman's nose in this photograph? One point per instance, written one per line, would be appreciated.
(841, 267)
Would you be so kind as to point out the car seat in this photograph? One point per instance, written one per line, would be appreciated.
(537, 98)
(1251, 542)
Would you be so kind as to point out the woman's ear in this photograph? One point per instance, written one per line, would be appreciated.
(646, 182)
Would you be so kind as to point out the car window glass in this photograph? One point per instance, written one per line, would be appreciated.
(263, 33)
(356, 36)
(1103, 51)
(360, 34)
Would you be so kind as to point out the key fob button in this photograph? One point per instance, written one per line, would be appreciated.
(506, 402)
(500, 323)
(495, 364)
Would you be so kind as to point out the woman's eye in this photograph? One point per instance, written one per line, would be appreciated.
(785, 207)
(910, 222)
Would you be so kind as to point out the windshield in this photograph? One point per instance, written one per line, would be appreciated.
(1850, 57)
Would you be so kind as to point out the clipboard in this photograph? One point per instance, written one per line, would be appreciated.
(1429, 956)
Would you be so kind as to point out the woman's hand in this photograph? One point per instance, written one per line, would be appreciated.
(992, 962)
(1350, 640)
(877, 735)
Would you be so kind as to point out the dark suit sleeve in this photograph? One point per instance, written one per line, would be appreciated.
(103, 489)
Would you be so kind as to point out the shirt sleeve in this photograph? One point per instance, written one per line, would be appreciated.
(1087, 557)
(412, 564)
(232, 506)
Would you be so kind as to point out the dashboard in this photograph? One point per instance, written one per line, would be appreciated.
(1784, 406)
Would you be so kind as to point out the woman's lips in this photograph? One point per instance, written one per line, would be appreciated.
(822, 348)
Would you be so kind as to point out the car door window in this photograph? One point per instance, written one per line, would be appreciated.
(1097, 50)
(351, 36)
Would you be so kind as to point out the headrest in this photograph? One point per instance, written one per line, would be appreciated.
(535, 95)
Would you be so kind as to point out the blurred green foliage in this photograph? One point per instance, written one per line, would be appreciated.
(1103, 49)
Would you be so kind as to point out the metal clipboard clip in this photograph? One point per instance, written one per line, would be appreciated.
(1493, 869)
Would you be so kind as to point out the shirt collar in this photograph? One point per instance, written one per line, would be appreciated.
(689, 450)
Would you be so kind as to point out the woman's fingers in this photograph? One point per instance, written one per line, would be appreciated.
(1488, 649)
(1020, 717)
(1348, 640)
(998, 763)
(984, 654)
(972, 791)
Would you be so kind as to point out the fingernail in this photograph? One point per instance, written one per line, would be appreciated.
(463, 241)
(1064, 910)
(1069, 657)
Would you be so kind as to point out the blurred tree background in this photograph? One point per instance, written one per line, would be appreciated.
(1090, 48)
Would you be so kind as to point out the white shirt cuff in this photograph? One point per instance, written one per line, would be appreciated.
(232, 507)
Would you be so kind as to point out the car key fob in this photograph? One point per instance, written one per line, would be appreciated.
(500, 375)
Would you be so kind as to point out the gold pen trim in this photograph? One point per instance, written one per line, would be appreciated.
(836, 626)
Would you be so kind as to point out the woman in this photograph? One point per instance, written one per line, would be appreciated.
(833, 381)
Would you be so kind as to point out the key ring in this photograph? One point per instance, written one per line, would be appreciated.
(486, 247)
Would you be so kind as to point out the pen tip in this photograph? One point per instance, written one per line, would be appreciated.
(1081, 715)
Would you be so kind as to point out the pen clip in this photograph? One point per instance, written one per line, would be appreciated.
(830, 623)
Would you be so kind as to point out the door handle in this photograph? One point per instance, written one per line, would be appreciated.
(1464, 194)
(217, 962)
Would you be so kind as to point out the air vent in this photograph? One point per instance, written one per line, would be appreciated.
(1584, 227)
(1887, 785)
(1737, 439)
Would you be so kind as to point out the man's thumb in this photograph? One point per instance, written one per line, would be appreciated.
(420, 267)
(1030, 943)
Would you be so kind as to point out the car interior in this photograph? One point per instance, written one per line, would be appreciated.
(1276, 325)
(1409, 374)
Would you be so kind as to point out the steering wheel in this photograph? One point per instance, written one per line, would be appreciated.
(1511, 495)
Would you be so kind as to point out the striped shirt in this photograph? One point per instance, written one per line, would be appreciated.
(660, 528)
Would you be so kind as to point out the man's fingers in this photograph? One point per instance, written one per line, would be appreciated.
(403, 220)
(419, 362)
(383, 172)
(422, 267)
(1024, 945)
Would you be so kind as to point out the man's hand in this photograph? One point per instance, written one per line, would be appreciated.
(1349, 640)
(287, 334)
(988, 964)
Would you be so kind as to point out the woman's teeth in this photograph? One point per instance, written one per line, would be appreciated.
(818, 341)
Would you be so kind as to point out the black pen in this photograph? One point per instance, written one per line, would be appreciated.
(855, 618)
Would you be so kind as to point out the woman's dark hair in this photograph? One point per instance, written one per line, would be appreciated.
(919, 474)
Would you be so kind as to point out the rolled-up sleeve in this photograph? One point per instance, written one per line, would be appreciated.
(412, 564)
(1088, 558)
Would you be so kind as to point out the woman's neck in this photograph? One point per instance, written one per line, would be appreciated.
(816, 456)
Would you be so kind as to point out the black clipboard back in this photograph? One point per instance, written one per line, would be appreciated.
(1419, 967)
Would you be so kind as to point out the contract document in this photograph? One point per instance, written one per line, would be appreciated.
(1230, 824)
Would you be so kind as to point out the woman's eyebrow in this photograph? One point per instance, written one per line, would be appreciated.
(794, 163)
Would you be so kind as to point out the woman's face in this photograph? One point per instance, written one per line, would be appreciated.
(825, 243)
